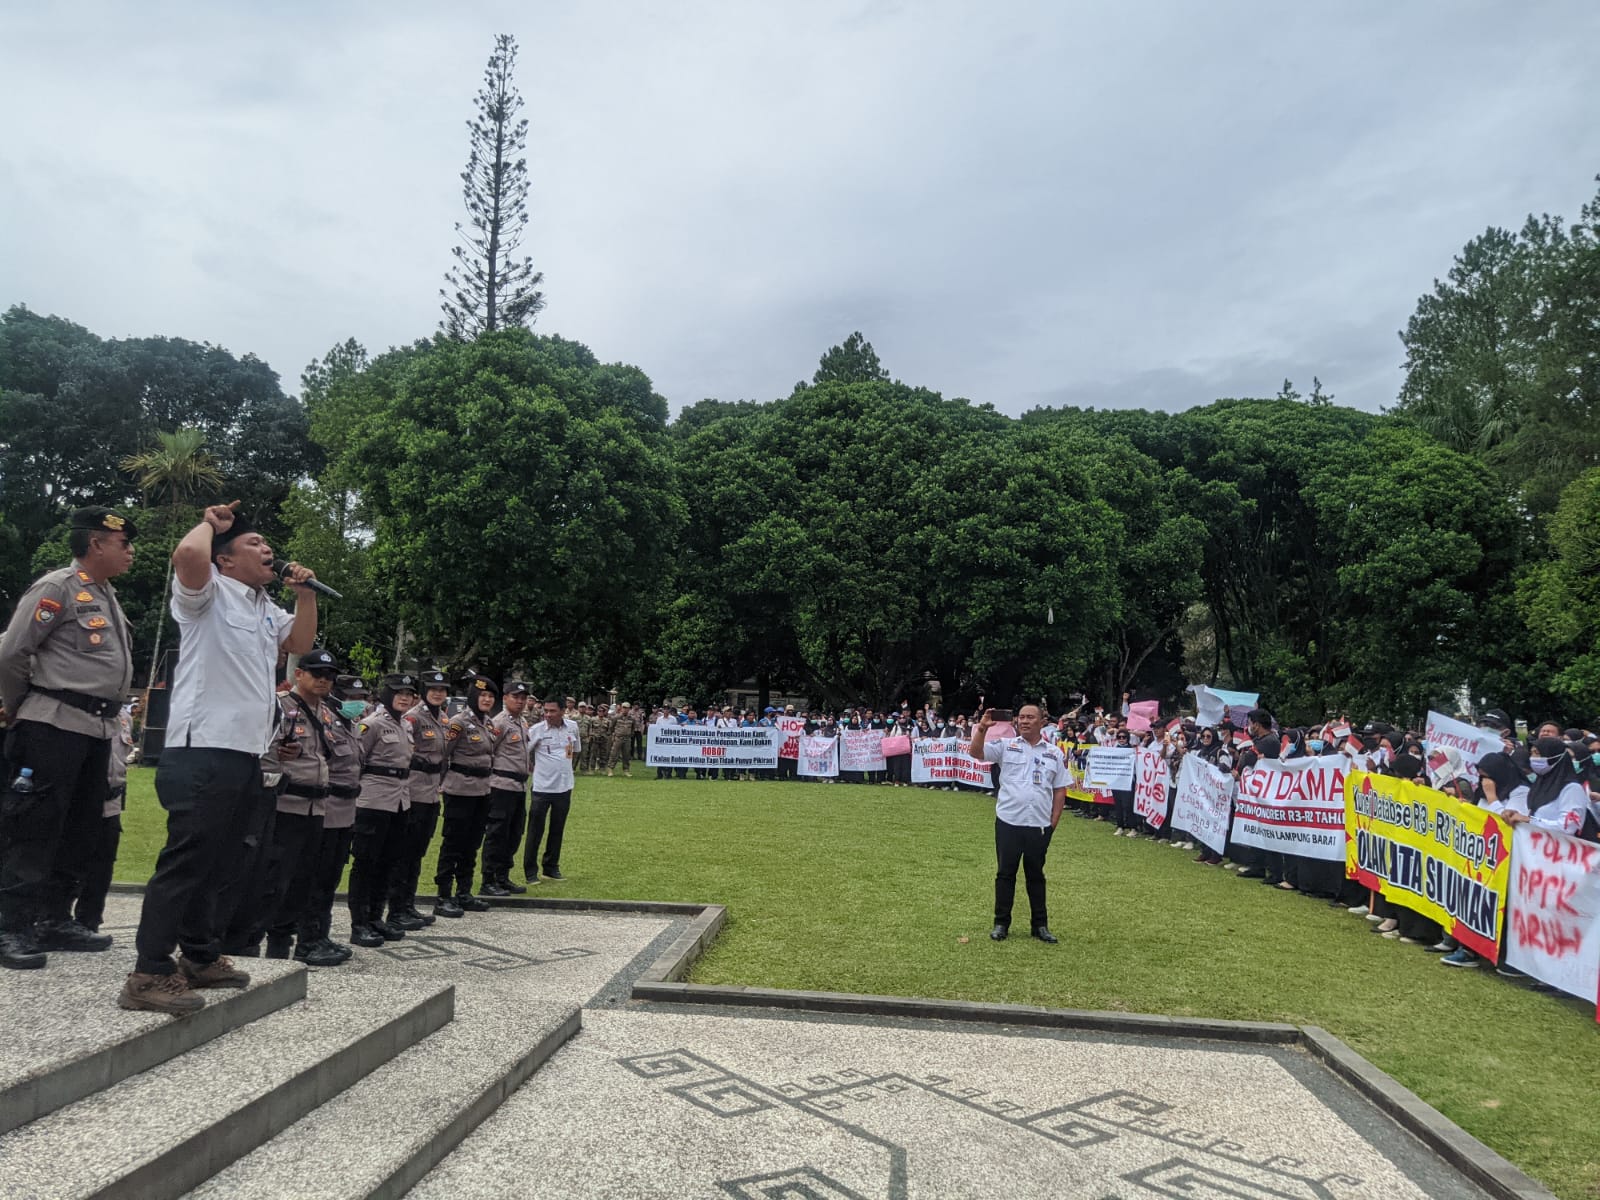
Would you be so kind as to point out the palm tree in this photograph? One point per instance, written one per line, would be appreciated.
(174, 469)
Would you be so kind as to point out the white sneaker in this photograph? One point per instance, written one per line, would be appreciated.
(1360, 910)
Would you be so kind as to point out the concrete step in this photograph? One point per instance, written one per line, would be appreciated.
(160, 1133)
(65, 1037)
(390, 1129)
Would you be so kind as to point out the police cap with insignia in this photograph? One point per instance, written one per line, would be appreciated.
(351, 687)
(103, 520)
(433, 678)
(318, 662)
(481, 683)
(517, 688)
(400, 683)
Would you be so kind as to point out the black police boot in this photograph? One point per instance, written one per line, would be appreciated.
(343, 952)
(365, 935)
(999, 933)
(492, 888)
(401, 919)
(1044, 935)
(444, 906)
(386, 931)
(471, 903)
(69, 935)
(516, 889)
(319, 954)
(19, 951)
(411, 911)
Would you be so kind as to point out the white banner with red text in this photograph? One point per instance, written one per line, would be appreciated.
(861, 750)
(818, 757)
(945, 760)
(1152, 787)
(1293, 806)
(1202, 800)
(1553, 911)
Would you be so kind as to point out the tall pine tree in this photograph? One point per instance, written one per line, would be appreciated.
(489, 288)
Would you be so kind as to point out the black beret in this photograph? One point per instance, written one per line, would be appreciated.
(103, 520)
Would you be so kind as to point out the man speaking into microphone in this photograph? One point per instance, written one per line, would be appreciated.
(222, 717)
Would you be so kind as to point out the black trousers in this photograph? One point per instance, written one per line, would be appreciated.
(210, 797)
(45, 834)
(556, 805)
(788, 768)
(1028, 846)
(503, 833)
(245, 901)
(98, 865)
(291, 867)
(379, 841)
(464, 820)
(420, 822)
(1122, 809)
(332, 852)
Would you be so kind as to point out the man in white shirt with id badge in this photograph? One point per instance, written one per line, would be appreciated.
(553, 744)
(1028, 803)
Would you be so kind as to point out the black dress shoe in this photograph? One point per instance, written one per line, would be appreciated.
(1045, 936)
(401, 919)
(471, 903)
(553, 873)
(446, 907)
(516, 889)
(69, 935)
(494, 889)
(999, 933)
(366, 935)
(20, 952)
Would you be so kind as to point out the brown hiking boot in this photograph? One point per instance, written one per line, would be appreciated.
(168, 994)
(219, 974)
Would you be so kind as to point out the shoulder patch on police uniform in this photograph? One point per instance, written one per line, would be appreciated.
(363, 727)
(83, 577)
(47, 610)
(452, 733)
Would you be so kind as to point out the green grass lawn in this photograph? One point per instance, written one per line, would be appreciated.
(888, 890)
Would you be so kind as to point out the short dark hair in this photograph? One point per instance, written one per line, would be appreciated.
(1261, 717)
(78, 541)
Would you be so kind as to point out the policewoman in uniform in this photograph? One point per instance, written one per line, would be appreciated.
(468, 753)
(1028, 803)
(427, 722)
(314, 944)
(65, 663)
(385, 750)
(508, 800)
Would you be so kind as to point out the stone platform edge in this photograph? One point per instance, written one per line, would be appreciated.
(662, 982)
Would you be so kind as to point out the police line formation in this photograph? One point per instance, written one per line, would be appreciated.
(272, 789)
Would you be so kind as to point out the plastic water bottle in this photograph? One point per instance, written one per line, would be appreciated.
(23, 784)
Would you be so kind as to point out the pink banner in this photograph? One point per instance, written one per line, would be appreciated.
(1142, 716)
(896, 745)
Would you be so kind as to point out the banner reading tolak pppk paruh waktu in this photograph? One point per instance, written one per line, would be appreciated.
(1447, 860)
(747, 749)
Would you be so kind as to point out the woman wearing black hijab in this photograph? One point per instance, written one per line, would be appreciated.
(1212, 749)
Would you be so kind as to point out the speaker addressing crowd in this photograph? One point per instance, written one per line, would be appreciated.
(272, 790)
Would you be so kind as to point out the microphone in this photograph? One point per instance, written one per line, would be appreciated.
(280, 568)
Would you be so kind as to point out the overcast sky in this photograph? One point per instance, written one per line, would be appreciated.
(1117, 203)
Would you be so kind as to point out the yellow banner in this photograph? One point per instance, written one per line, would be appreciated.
(1434, 854)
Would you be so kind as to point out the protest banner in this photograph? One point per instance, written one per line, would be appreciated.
(1472, 743)
(945, 760)
(1110, 768)
(1553, 913)
(749, 749)
(1201, 802)
(896, 745)
(1293, 806)
(861, 750)
(792, 728)
(1142, 715)
(1077, 754)
(1213, 704)
(1152, 787)
(819, 757)
(1449, 861)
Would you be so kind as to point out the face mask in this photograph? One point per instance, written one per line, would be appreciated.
(1595, 758)
(1316, 745)
(353, 708)
(1539, 765)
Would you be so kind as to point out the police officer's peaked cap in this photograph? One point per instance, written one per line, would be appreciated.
(400, 683)
(517, 688)
(481, 683)
(351, 687)
(104, 520)
(318, 660)
(432, 678)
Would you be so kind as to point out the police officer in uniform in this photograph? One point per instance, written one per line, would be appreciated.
(621, 742)
(468, 753)
(385, 749)
(65, 663)
(314, 944)
(427, 721)
(508, 800)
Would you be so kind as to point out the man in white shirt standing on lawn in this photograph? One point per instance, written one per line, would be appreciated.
(1028, 803)
(222, 718)
(553, 744)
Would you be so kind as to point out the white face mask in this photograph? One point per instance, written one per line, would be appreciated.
(1539, 766)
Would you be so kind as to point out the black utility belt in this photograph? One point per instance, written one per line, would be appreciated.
(95, 706)
(471, 772)
(387, 772)
(511, 775)
(427, 768)
(344, 793)
(306, 791)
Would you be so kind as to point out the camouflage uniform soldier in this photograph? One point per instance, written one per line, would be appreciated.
(585, 720)
(621, 741)
(600, 735)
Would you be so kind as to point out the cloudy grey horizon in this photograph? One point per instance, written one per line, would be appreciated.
(1120, 205)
